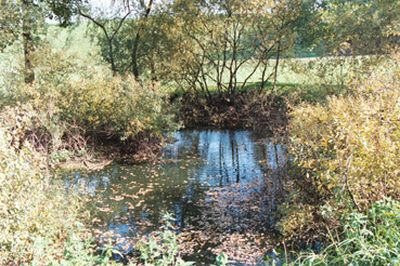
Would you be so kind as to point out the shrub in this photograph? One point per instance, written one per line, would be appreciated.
(73, 102)
(116, 107)
(40, 224)
(35, 215)
(254, 109)
(346, 153)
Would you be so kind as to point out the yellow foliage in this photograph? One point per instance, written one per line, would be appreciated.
(34, 213)
(348, 150)
(355, 138)
(67, 94)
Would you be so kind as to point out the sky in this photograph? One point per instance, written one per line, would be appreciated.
(101, 3)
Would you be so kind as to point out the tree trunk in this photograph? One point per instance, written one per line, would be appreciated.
(278, 55)
(27, 42)
(135, 47)
(135, 67)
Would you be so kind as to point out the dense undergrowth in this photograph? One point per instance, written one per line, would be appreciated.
(66, 114)
(345, 166)
(36, 225)
(345, 161)
(70, 107)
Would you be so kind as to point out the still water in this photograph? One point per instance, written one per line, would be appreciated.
(199, 172)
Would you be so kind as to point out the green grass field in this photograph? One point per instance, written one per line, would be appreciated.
(75, 40)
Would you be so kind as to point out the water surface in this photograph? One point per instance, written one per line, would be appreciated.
(205, 178)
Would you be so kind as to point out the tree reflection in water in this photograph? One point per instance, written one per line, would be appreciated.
(214, 181)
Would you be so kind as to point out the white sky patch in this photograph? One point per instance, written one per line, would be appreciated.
(103, 4)
(111, 9)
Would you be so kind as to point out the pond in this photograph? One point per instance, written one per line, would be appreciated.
(221, 186)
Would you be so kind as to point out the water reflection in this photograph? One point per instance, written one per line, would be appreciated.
(130, 200)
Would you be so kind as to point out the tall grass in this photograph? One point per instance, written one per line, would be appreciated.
(371, 238)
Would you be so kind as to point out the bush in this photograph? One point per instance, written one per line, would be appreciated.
(40, 224)
(115, 107)
(73, 102)
(37, 219)
(346, 153)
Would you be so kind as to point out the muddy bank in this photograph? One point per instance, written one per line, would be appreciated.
(255, 110)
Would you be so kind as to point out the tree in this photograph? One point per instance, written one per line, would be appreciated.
(123, 29)
(355, 35)
(9, 18)
(109, 34)
(227, 37)
(361, 27)
(24, 20)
